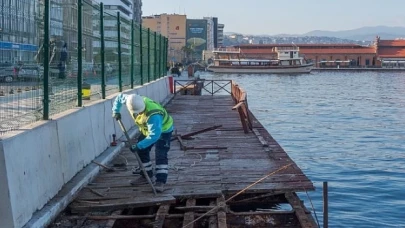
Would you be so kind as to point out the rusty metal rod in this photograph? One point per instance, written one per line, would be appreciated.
(182, 146)
(186, 136)
(206, 148)
(137, 157)
(104, 166)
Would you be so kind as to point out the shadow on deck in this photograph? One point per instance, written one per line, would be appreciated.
(225, 171)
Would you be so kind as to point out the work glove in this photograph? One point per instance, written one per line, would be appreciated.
(134, 148)
(117, 116)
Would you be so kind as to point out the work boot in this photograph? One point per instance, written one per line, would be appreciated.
(160, 187)
(141, 180)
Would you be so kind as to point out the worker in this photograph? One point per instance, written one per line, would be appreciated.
(156, 128)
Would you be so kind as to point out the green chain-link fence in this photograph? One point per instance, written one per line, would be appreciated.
(59, 54)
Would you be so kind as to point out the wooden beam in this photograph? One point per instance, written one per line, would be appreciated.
(160, 216)
(221, 215)
(111, 222)
(261, 139)
(195, 208)
(306, 220)
(189, 216)
(212, 220)
(119, 204)
(243, 120)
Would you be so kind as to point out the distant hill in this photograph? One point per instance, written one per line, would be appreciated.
(363, 33)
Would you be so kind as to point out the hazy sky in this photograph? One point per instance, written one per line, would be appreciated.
(286, 16)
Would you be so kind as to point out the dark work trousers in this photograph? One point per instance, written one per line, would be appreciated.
(162, 146)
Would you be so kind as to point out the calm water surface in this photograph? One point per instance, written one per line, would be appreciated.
(344, 128)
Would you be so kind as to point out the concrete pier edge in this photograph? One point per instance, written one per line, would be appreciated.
(56, 205)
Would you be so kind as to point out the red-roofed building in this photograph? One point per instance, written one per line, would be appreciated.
(384, 53)
(391, 53)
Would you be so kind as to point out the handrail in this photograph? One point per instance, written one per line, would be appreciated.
(240, 98)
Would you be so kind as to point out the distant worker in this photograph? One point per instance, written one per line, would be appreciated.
(156, 127)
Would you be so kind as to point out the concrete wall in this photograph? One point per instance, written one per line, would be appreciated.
(35, 163)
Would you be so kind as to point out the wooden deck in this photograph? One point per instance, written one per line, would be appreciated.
(206, 171)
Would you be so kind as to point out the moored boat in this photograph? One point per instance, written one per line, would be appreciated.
(288, 61)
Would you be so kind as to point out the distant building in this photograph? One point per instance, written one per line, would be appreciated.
(210, 33)
(137, 11)
(18, 30)
(390, 53)
(173, 26)
(112, 7)
(221, 34)
(197, 36)
(125, 7)
(383, 53)
(66, 15)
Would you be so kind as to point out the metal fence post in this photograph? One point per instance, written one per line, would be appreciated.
(79, 52)
(132, 53)
(141, 53)
(148, 54)
(154, 56)
(102, 51)
(166, 53)
(163, 57)
(46, 60)
(119, 52)
(160, 55)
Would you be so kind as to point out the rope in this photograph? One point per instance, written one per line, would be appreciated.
(313, 208)
(238, 193)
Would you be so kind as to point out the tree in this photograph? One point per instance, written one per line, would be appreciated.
(188, 51)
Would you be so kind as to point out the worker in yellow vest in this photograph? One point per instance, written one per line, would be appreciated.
(156, 128)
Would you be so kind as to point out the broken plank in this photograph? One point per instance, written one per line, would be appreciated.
(305, 220)
(105, 205)
(261, 139)
(160, 216)
(189, 216)
(221, 215)
(111, 222)
(212, 220)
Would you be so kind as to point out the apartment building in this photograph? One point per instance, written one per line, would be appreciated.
(173, 26)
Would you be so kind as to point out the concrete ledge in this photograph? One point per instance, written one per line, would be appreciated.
(53, 208)
(37, 162)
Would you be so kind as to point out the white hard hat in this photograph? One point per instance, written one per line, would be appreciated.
(135, 103)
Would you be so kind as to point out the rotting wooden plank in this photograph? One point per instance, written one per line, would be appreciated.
(189, 216)
(119, 204)
(221, 215)
(160, 216)
(111, 222)
(306, 220)
(212, 220)
(261, 139)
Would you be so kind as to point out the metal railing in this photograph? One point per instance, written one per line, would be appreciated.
(70, 51)
(202, 87)
(229, 50)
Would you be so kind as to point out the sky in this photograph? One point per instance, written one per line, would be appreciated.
(287, 16)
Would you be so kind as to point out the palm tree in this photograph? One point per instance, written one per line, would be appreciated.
(188, 51)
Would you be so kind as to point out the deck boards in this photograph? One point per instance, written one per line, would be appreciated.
(200, 172)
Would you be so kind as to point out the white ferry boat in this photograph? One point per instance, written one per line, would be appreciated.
(227, 60)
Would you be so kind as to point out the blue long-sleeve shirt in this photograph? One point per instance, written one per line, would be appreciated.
(118, 102)
(154, 123)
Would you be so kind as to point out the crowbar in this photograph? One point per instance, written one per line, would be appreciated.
(137, 156)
